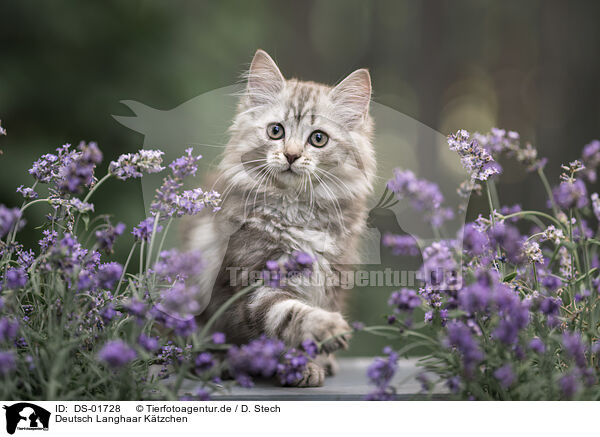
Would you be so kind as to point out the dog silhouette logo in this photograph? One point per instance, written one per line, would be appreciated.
(26, 416)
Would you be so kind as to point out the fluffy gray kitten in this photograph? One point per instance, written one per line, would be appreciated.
(295, 176)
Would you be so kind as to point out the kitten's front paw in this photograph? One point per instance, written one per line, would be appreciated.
(313, 375)
(329, 328)
(329, 363)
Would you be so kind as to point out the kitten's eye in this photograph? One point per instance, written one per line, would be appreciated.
(318, 138)
(275, 131)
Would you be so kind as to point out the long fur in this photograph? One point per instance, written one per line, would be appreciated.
(268, 211)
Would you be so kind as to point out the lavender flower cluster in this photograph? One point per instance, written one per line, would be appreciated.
(511, 309)
(423, 195)
(66, 306)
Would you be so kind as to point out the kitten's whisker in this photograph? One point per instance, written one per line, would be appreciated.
(260, 178)
(235, 181)
(264, 178)
(271, 176)
(333, 178)
(311, 204)
(331, 196)
(232, 169)
(248, 193)
(219, 145)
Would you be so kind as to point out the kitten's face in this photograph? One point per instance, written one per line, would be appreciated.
(294, 135)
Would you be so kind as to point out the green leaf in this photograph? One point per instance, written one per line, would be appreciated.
(510, 277)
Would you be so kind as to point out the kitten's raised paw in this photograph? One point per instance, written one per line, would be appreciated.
(313, 375)
(329, 328)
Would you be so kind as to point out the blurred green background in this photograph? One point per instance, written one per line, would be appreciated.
(528, 66)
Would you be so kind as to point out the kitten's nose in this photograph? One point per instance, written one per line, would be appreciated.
(291, 157)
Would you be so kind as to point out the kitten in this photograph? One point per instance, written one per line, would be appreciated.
(295, 176)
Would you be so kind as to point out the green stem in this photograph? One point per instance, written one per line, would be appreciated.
(142, 260)
(542, 175)
(493, 218)
(13, 233)
(162, 240)
(152, 238)
(95, 187)
(125, 268)
(89, 194)
(537, 213)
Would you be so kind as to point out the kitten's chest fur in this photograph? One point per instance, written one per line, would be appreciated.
(277, 226)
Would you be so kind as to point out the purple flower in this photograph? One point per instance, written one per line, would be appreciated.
(298, 263)
(505, 376)
(25, 258)
(570, 194)
(537, 346)
(574, 348)
(106, 237)
(474, 242)
(9, 218)
(459, 336)
(108, 313)
(8, 362)
(475, 298)
(8, 329)
(109, 274)
(401, 244)
(404, 299)
(181, 300)
(568, 385)
(148, 343)
(508, 210)
(380, 373)
(48, 241)
(185, 165)
(260, 357)
(15, 278)
(439, 268)
(117, 353)
(510, 241)
(579, 297)
(181, 326)
(169, 202)
(550, 306)
(77, 171)
(290, 370)
(423, 195)
(591, 160)
(134, 165)
(191, 202)
(218, 338)
(551, 283)
(174, 265)
(357, 326)
(136, 308)
(143, 231)
(474, 158)
(204, 361)
(453, 384)
(27, 193)
(45, 169)
(310, 347)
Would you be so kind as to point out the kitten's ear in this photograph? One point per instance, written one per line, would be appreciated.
(265, 80)
(352, 96)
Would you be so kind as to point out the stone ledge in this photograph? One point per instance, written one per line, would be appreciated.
(350, 384)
